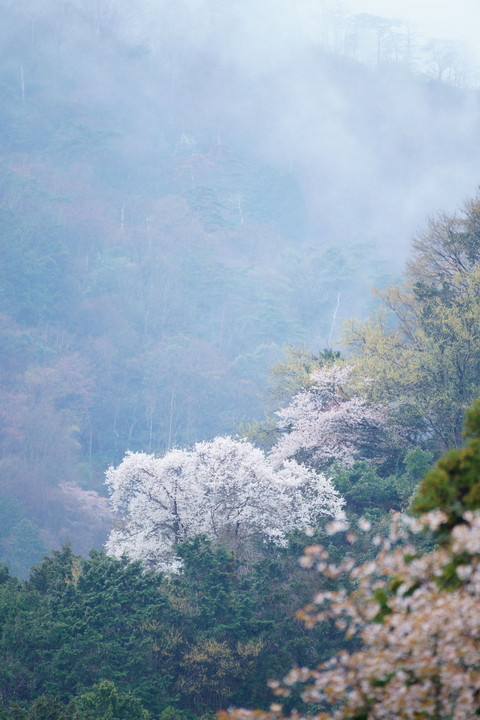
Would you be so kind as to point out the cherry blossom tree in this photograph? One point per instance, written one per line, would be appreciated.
(226, 489)
(418, 619)
(329, 422)
(415, 614)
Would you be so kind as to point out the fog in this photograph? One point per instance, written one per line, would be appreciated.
(334, 126)
(455, 22)
(353, 112)
(185, 188)
(350, 108)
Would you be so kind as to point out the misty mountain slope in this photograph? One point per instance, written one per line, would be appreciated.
(184, 189)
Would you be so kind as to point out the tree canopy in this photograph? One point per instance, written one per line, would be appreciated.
(421, 350)
(414, 612)
(226, 489)
(329, 421)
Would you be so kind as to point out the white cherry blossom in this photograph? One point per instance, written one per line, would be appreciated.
(328, 421)
(419, 627)
(226, 489)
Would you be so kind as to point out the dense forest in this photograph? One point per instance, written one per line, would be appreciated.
(195, 379)
(175, 210)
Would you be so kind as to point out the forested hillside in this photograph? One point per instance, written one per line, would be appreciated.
(196, 381)
(183, 193)
(184, 646)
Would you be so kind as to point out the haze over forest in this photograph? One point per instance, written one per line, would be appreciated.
(186, 188)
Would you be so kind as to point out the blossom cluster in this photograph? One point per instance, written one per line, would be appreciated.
(226, 489)
(328, 421)
(418, 619)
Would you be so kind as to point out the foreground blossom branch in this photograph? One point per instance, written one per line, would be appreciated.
(418, 619)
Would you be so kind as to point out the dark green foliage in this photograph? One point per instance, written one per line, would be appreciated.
(16, 713)
(454, 484)
(371, 493)
(46, 707)
(417, 462)
(105, 702)
(102, 702)
(212, 577)
(80, 620)
(81, 629)
(365, 490)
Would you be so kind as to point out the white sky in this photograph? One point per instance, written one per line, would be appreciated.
(454, 19)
